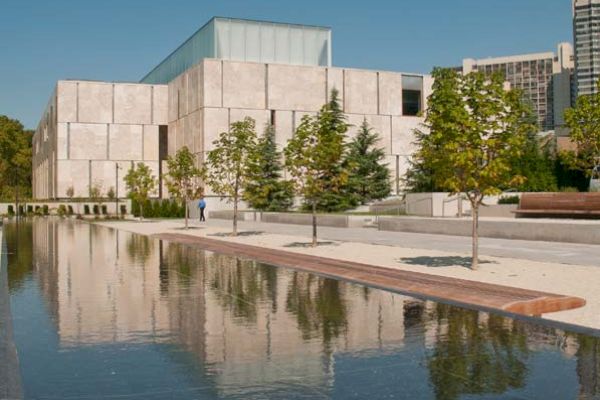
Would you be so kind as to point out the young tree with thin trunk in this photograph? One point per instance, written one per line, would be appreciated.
(583, 121)
(474, 130)
(140, 183)
(227, 163)
(265, 189)
(183, 178)
(314, 158)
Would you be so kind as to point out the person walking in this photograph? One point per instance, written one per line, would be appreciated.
(202, 206)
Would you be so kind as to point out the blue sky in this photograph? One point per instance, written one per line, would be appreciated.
(42, 41)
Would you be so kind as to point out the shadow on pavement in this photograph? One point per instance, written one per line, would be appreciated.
(309, 244)
(243, 233)
(447, 261)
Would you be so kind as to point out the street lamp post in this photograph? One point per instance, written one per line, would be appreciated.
(117, 167)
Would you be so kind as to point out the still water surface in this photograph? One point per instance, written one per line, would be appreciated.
(103, 314)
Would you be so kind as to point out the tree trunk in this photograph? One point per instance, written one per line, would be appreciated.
(475, 212)
(314, 223)
(186, 212)
(235, 212)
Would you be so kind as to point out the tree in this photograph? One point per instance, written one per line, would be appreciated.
(369, 178)
(583, 122)
(228, 163)
(314, 158)
(96, 195)
(536, 164)
(183, 178)
(265, 190)
(15, 159)
(140, 183)
(475, 130)
(331, 128)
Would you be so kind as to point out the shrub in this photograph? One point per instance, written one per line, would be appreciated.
(135, 208)
(104, 209)
(569, 189)
(62, 210)
(148, 209)
(96, 209)
(508, 200)
(86, 209)
(29, 209)
(45, 209)
(70, 210)
(165, 209)
(11, 210)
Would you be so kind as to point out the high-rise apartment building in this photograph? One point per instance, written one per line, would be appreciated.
(586, 32)
(544, 78)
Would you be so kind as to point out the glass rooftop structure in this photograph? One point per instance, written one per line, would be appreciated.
(247, 40)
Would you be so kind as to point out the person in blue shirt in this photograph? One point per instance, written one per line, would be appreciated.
(202, 206)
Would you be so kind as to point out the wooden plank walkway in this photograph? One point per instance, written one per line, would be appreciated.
(450, 290)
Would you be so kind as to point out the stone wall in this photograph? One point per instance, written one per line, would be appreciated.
(207, 98)
(91, 128)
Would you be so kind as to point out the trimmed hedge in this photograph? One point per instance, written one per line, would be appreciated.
(164, 208)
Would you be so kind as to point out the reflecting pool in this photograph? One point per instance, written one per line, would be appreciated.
(100, 313)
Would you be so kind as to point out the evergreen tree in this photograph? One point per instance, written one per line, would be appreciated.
(265, 190)
(369, 178)
(537, 165)
(331, 128)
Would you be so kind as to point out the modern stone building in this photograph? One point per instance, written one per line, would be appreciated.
(586, 32)
(228, 70)
(544, 78)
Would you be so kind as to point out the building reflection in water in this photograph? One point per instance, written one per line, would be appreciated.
(254, 325)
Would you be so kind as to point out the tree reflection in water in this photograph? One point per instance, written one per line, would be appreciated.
(477, 355)
(588, 366)
(318, 306)
(140, 248)
(242, 285)
(19, 237)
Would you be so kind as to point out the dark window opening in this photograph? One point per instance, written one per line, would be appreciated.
(273, 118)
(163, 153)
(411, 102)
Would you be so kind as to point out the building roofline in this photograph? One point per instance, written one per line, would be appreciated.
(513, 58)
(216, 17)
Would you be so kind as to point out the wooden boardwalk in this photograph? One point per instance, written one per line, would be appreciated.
(449, 290)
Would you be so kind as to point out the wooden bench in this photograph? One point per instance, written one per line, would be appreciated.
(559, 205)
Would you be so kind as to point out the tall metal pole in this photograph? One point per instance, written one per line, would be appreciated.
(117, 189)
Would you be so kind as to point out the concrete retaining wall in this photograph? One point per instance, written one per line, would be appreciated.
(550, 230)
(498, 210)
(10, 378)
(335, 220)
(440, 204)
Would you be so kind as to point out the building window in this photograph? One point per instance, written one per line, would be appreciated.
(411, 102)
(412, 89)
